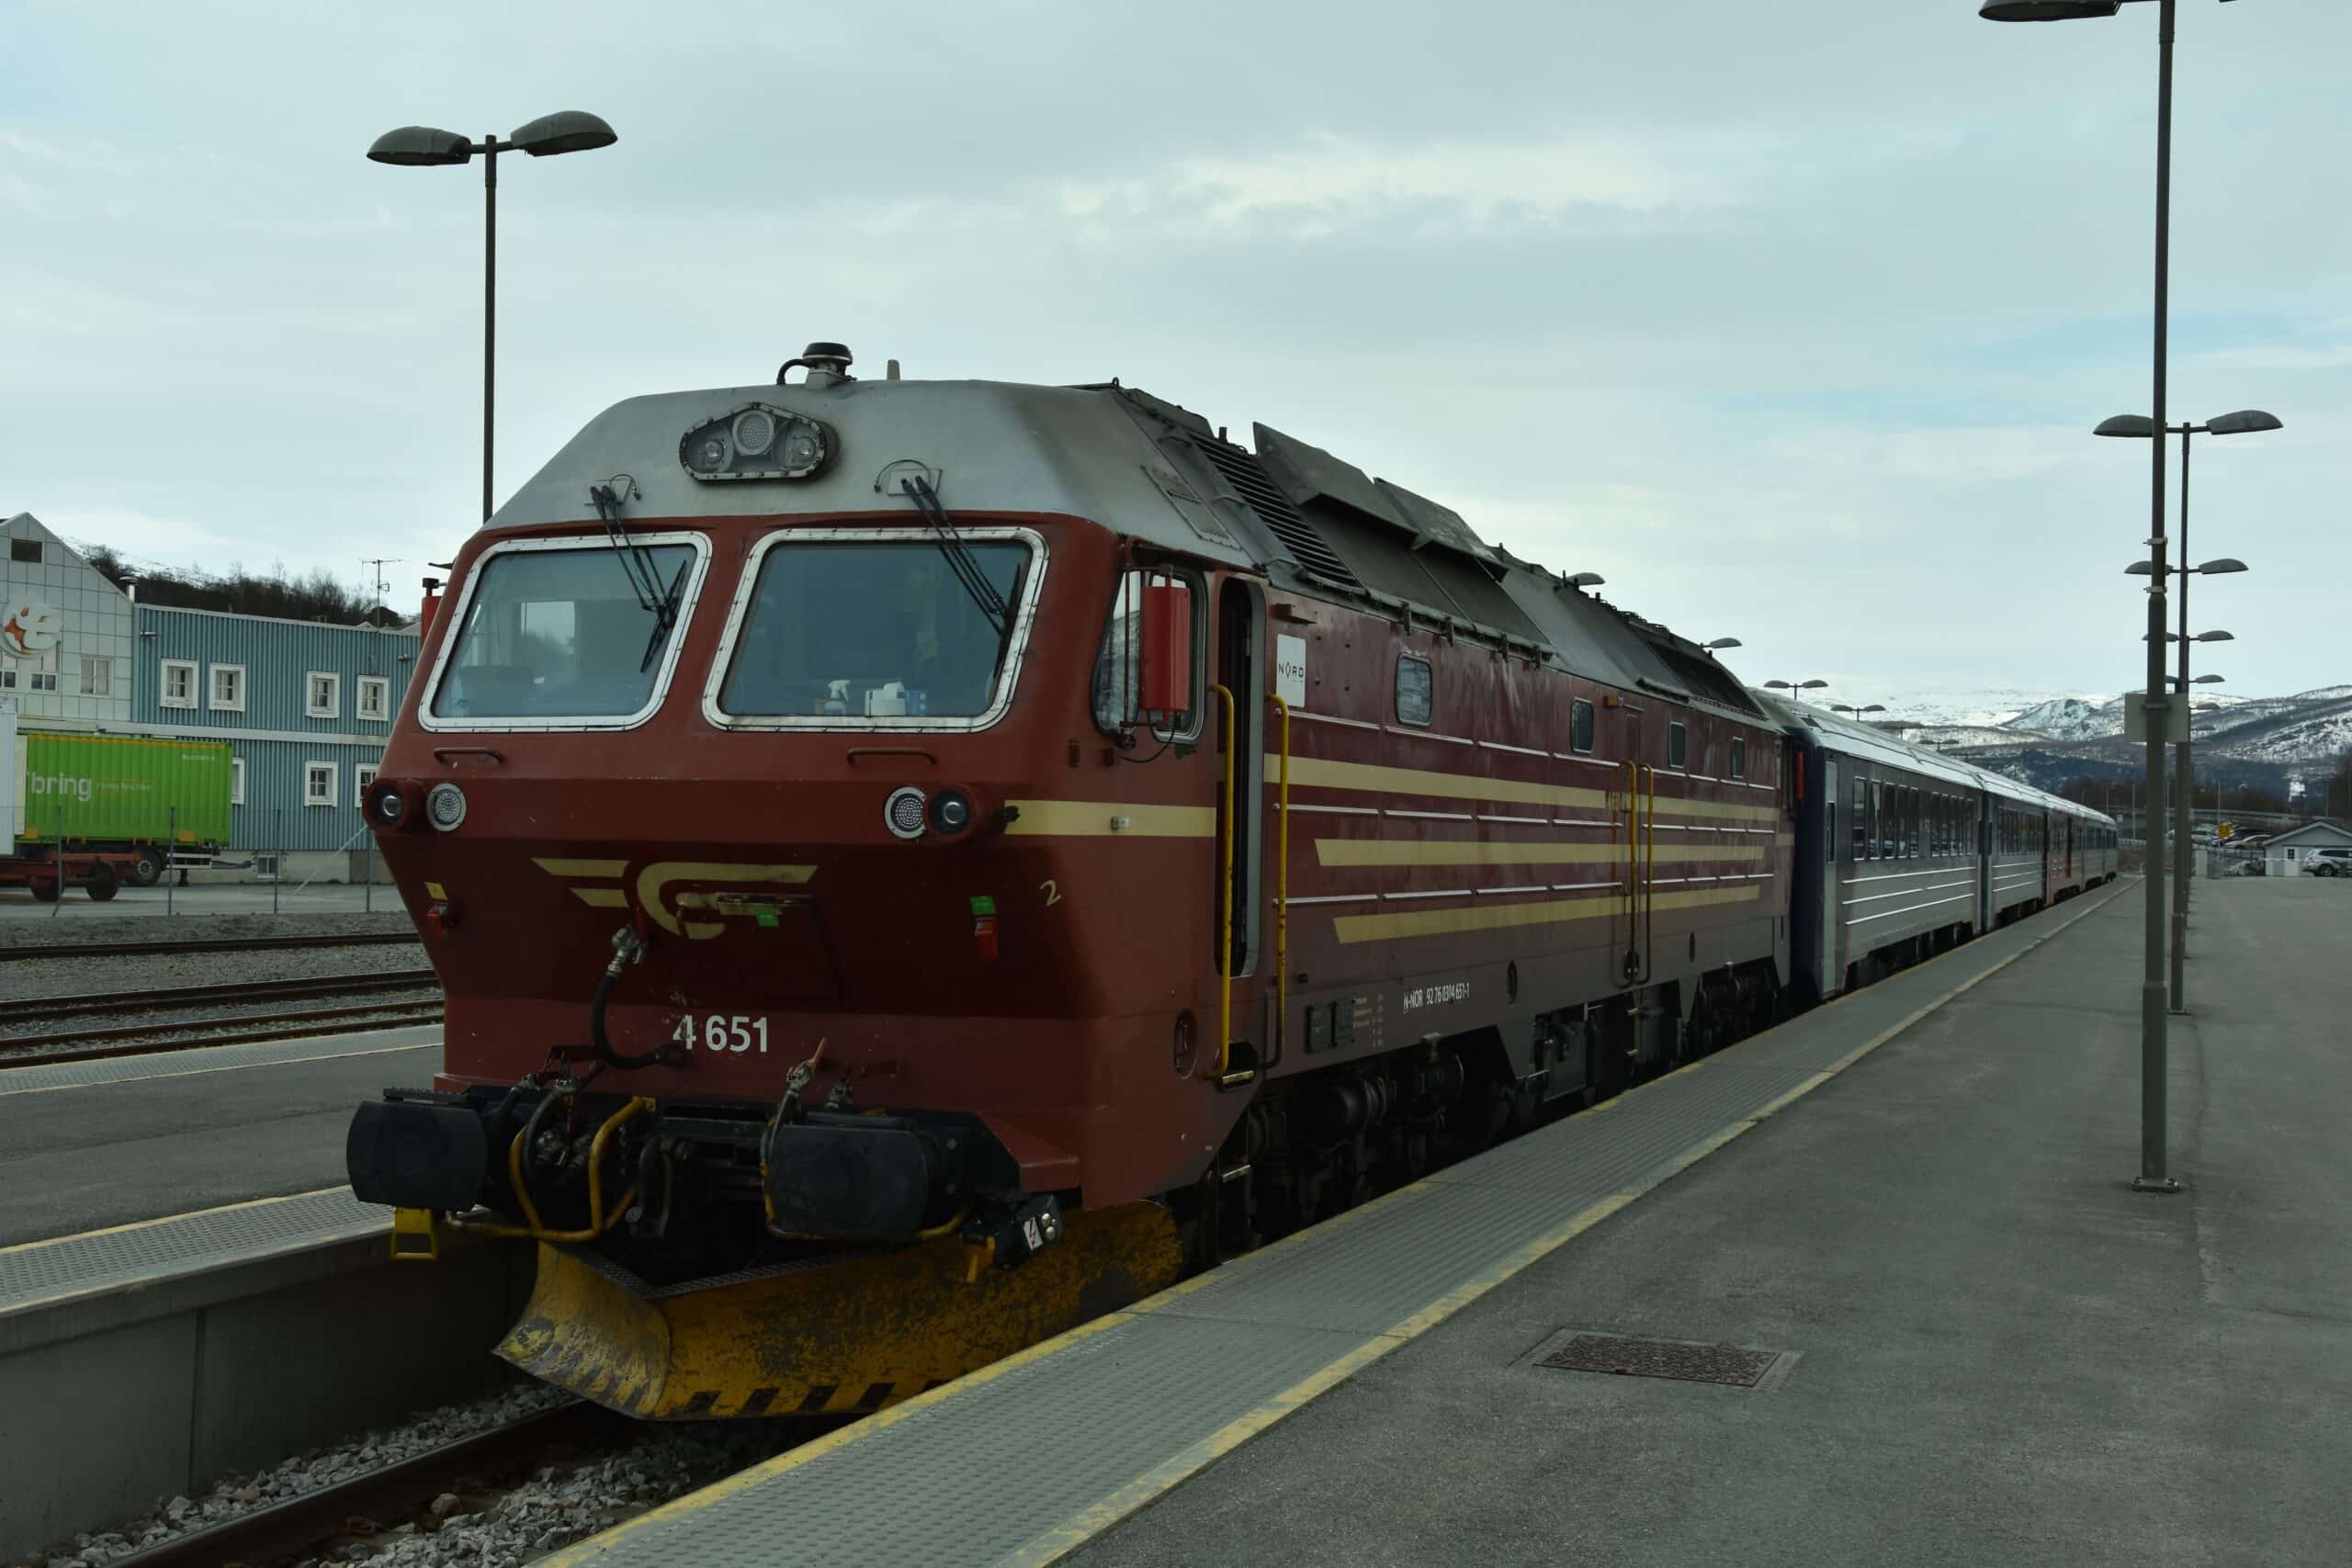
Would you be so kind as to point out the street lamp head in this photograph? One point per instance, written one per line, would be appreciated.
(2213, 636)
(2047, 10)
(2224, 564)
(2205, 680)
(2245, 421)
(1721, 642)
(1585, 579)
(420, 146)
(2138, 425)
(2140, 568)
(1811, 685)
(567, 130)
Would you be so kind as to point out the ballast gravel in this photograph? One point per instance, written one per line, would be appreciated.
(503, 1526)
(65, 977)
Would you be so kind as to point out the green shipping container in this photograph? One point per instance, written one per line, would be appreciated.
(110, 788)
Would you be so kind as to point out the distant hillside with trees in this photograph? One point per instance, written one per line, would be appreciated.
(318, 597)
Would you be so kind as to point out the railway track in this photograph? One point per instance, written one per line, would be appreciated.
(180, 1033)
(376, 1501)
(200, 944)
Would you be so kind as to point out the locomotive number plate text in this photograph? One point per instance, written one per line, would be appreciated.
(734, 1032)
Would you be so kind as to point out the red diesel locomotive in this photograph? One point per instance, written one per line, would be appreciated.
(913, 864)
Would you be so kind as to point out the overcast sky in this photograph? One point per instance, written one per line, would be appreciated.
(1790, 317)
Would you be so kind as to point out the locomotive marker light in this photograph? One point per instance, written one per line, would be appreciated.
(2244, 421)
(425, 147)
(2153, 1023)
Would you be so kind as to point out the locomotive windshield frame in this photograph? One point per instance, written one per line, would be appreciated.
(1007, 675)
(461, 626)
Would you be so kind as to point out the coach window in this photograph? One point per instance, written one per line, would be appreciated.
(1739, 756)
(1117, 696)
(1415, 689)
(1678, 745)
(1866, 843)
(1579, 726)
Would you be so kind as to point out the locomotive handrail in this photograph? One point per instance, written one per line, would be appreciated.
(599, 1221)
(1224, 891)
(1282, 894)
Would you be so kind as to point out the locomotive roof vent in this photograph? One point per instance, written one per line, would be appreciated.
(827, 364)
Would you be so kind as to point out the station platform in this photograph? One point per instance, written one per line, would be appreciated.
(1967, 1340)
(92, 1145)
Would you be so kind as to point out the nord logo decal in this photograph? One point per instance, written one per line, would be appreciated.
(677, 895)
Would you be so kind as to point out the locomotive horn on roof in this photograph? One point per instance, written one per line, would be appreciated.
(827, 364)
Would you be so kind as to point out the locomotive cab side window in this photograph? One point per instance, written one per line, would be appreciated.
(1579, 726)
(567, 635)
(1678, 745)
(1414, 690)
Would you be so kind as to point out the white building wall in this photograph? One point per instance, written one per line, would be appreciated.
(94, 628)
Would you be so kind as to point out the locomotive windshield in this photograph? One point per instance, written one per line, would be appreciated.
(871, 628)
(556, 635)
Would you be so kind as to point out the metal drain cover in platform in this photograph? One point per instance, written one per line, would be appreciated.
(1734, 1365)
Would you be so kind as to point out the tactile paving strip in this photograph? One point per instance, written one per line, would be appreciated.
(1001, 1467)
(212, 1058)
(43, 1271)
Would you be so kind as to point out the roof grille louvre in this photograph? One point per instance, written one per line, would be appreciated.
(1273, 509)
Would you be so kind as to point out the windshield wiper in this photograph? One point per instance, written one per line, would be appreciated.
(959, 556)
(644, 573)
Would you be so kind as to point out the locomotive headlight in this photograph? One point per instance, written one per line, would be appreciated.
(757, 441)
(754, 432)
(392, 805)
(444, 806)
(951, 812)
(903, 813)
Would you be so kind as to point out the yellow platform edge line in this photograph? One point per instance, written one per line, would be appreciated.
(1081, 1528)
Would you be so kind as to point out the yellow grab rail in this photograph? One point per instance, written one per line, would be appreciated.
(1282, 892)
(1224, 893)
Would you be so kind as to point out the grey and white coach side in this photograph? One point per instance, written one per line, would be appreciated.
(1902, 852)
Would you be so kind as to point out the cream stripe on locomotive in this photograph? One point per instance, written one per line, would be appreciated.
(1501, 917)
(1092, 818)
(1323, 772)
(1514, 851)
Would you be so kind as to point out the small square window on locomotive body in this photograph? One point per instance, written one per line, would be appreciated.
(1678, 745)
(1739, 756)
(1579, 726)
(1414, 690)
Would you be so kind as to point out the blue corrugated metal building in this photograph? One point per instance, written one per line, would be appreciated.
(306, 707)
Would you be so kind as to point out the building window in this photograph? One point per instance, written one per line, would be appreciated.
(1415, 699)
(374, 696)
(42, 681)
(322, 695)
(318, 784)
(26, 550)
(98, 677)
(229, 688)
(236, 781)
(1678, 745)
(362, 776)
(1739, 756)
(7, 677)
(1579, 726)
(177, 689)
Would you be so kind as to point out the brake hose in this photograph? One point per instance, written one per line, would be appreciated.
(628, 948)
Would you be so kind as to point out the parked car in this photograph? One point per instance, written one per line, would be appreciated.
(2328, 862)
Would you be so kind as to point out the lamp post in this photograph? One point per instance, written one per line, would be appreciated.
(423, 146)
(1857, 712)
(2242, 422)
(2153, 1177)
(1793, 687)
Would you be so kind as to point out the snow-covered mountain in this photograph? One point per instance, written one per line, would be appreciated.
(2048, 735)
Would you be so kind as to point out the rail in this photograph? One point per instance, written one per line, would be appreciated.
(201, 945)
